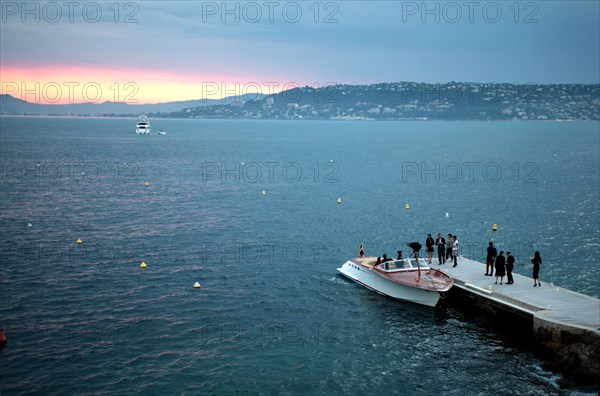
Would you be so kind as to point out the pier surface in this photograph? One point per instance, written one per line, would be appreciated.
(564, 323)
(551, 306)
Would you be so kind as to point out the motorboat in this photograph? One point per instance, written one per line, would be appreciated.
(405, 279)
(143, 125)
(161, 132)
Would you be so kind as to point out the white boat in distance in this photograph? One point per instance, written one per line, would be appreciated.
(400, 279)
(143, 125)
(161, 132)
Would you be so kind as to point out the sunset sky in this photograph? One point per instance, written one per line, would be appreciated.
(150, 52)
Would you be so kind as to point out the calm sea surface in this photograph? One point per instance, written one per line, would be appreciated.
(273, 316)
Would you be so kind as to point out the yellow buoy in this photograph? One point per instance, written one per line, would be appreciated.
(264, 192)
(494, 227)
(407, 206)
(197, 285)
(339, 200)
(146, 184)
(143, 265)
(79, 241)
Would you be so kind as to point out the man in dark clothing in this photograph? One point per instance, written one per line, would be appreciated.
(415, 246)
(441, 245)
(510, 264)
(491, 257)
(448, 248)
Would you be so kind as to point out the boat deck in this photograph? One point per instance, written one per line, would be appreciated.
(428, 279)
(556, 306)
(367, 262)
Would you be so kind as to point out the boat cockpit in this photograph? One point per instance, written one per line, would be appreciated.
(408, 264)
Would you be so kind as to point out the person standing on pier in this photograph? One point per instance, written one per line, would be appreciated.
(429, 242)
(500, 267)
(491, 257)
(455, 249)
(441, 245)
(537, 261)
(449, 248)
(510, 264)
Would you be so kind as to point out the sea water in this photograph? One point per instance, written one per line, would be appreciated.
(249, 209)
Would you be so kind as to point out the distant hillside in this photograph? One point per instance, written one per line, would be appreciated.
(419, 101)
(384, 101)
(12, 105)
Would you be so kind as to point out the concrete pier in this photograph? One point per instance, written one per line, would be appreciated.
(565, 322)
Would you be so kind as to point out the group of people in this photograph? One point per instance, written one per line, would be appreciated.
(505, 265)
(381, 259)
(448, 250)
(502, 265)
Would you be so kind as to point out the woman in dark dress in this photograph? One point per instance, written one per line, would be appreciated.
(500, 266)
(537, 261)
(429, 242)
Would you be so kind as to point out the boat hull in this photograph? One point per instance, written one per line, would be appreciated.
(371, 280)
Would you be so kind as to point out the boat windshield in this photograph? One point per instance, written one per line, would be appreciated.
(405, 264)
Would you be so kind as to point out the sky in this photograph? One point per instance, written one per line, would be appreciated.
(159, 51)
